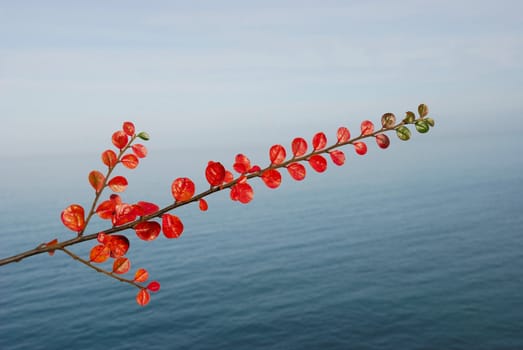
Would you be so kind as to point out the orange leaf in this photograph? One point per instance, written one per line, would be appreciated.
(118, 184)
(119, 139)
(73, 217)
(106, 209)
(343, 134)
(271, 178)
(118, 245)
(360, 147)
(140, 150)
(99, 253)
(109, 158)
(123, 214)
(146, 208)
(203, 204)
(215, 173)
(143, 297)
(128, 128)
(172, 226)
(50, 243)
(299, 146)
(338, 157)
(141, 275)
(182, 189)
(121, 265)
(96, 179)
(148, 230)
(130, 161)
(277, 154)
(367, 127)
(318, 163)
(319, 141)
(296, 171)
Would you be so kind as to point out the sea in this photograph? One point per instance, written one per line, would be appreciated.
(419, 246)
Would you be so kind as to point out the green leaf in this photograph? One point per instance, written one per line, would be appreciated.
(403, 133)
(409, 117)
(144, 136)
(388, 120)
(430, 121)
(422, 126)
(423, 110)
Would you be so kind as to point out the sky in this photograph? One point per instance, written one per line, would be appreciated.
(239, 73)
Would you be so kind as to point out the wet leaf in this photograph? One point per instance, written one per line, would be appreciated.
(73, 217)
(143, 297)
(403, 133)
(299, 146)
(215, 173)
(148, 230)
(338, 157)
(154, 286)
(182, 189)
(141, 275)
(423, 110)
(422, 126)
(271, 178)
(121, 265)
(99, 253)
(343, 134)
(297, 171)
(118, 184)
(367, 127)
(360, 147)
(109, 158)
(96, 179)
(130, 161)
(318, 163)
(119, 139)
(172, 226)
(139, 150)
(319, 141)
(382, 140)
(388, 120)
(277, 154)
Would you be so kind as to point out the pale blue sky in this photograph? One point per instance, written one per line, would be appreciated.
(240, 72)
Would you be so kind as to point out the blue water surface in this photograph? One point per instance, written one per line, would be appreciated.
(416, 247)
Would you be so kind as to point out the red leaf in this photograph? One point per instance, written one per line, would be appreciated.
(299, 146)
(119, 139)
(128, 128)
(338, 157)
(130, 161)
(147, 230)
(117, 244)
(141, 275)
(73, 217)
(124, 213)
(99, 253)
(140, 150)
(382, 140)
(242, 192)
(109, 158)
(296, 171)
(343, 134)
(143, 297)
(272, 178)
(228, 176)
(215, 173)
(182, 189)
(318, 163)
(118, 184)
(242, 164)
(106, 209)
(277, 154)
(319, 141)
(367, 127)
(50, 243)
(203, 205)
(146, 208)
(96, 179)
(172, 226)
(101, 237)
(121, 265)
(360, 147)
(154, 286)
(254, 169)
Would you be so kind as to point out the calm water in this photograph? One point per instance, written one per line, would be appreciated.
(413, 248)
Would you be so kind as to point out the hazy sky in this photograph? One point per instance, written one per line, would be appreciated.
(240, 72)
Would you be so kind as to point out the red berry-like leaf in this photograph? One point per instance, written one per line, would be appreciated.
(242, 192)
(146, 208)
(121, 265)
(109, 158)
(271, 178)
(182, 189)
(367, 127)
(143, 297)
(118, 184)
(299, 146)
(147, 230)
(119, 139)
(202, 203)
(139, 150)
(360, 147)
(319, 141)
(124, 213)
(254, 169)
(242, 164)
(228, 177)
(215, 173)
(277, 154)
(99, 253)
(96, 179)
(73, 217)
(343, 134)
(128, 128)
(172, 226)
(154, 286)
(297, 171)
(117, 244)
(141, 275)
(382, 140)
(318, 163)
(130, 161)
(338, 157)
